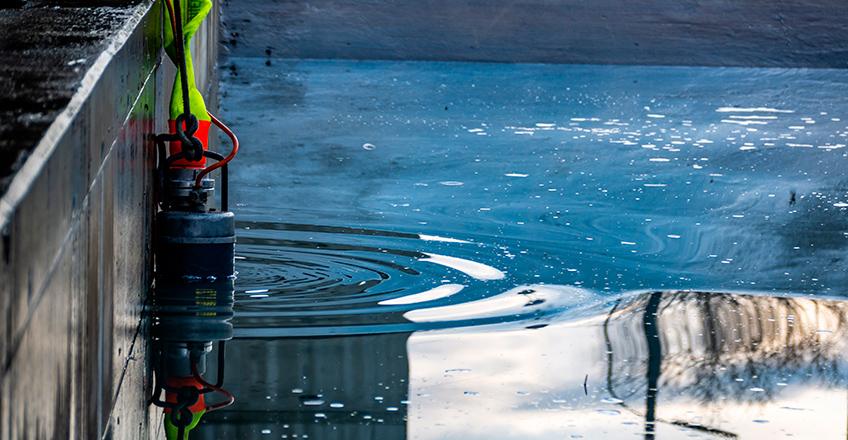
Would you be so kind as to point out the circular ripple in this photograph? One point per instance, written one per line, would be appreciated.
(301, 276)
(293, 277)
(296, 280)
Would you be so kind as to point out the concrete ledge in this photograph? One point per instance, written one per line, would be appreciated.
(75, 256)
(47, 51)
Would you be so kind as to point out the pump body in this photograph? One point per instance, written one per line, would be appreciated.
(195, 245)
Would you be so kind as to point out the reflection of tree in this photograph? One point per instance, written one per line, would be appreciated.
(654, 364)
(716, 347)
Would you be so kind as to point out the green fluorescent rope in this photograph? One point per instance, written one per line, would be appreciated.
(193, 13)
(172, 432)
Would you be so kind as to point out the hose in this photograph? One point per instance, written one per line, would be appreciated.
(208, 387)
(227, 159)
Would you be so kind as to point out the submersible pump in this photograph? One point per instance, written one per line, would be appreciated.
(194, 251)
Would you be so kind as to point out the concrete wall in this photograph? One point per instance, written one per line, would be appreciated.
(685, 32)
(75, 256)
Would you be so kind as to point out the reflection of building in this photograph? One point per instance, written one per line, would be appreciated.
(344, 387)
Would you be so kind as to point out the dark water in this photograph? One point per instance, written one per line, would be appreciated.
(487, 251)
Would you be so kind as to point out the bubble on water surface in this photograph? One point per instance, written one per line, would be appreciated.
(312, 402)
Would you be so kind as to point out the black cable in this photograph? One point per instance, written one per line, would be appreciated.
(221, 358)
(190, 144)
(225, 182)
(179, 39)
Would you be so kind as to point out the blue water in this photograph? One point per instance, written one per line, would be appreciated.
(402, 224)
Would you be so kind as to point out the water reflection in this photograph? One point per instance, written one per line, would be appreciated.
(190, 319)
(714, 349)
(478, 222)
(660, 365)
(352, 387)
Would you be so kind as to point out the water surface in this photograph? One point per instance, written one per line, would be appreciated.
(452, 250)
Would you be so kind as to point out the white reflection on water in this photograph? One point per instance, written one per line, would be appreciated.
(714, 350)
(426, 237)
(514, 301)
(435, 293)
(473, 269)
(751, 110)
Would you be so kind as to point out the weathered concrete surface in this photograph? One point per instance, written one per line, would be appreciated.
(76, 219)
(45, 50)
(75, 227)
(46, 47)
(687, 32)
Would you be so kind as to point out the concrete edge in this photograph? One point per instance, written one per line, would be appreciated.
(22, 181)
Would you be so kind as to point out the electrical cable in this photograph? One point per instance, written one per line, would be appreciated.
(179, 48)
